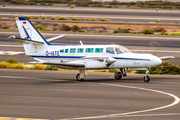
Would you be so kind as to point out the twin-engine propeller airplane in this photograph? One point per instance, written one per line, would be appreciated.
(82, 57)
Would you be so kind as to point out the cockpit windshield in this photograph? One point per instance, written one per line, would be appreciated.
(121, 49)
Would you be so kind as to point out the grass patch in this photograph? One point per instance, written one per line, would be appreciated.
(50, 68)
(113, 70)
(174, 34)
(41, 28)
(53, 18)
(148, 32)
(72, 6)
(102, 19)
(165, 68)
(63, 18)
(29, 17)
(44, 17)
(36, 17)
(116, 31)
(38, 67)
(74, 18)
(6, 27)
(12, 61)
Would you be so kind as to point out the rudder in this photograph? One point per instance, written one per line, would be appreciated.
(27, 30)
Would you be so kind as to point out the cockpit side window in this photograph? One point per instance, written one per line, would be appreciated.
(110, 50)
(120, 50)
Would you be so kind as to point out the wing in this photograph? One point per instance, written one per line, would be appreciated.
(166, 57)
(79, 63)
(67, 65)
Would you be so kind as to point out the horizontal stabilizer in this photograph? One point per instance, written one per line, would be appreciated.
(166, 57)
(54, 38)
(25, 41)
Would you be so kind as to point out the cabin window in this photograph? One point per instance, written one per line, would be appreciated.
(61, 51)
(99, 50)
(72, 50)
(66, 50)
(110, 50)
(80, 50)
(89, 50)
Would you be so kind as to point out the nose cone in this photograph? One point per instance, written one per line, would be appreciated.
(157, 61)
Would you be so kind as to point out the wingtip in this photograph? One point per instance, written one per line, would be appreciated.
(167, 57)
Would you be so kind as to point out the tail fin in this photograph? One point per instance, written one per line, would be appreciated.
(28, 31)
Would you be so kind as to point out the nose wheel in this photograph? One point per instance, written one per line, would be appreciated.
(118, 75)
(146, 77)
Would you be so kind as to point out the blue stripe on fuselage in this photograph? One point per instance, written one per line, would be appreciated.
(77, 57)
(132, 59)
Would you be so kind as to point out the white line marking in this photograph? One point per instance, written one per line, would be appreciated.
(10, 52)
(147, 115)
(11, 45)
(138, 18)
(176, 101)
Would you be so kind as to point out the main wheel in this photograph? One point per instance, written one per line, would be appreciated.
(146, 78)
(118, 75)
(78, 77)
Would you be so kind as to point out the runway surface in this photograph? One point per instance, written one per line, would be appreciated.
(57, 95)
(113, 14)
(157, 45)
(127, 40)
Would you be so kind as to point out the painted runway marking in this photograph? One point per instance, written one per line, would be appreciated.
(11, 52)
(148, 115)
(11, 45)
(176, 101)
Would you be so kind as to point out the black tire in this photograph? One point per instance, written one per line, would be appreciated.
(146, 78)
(78, 77)
(118, 75)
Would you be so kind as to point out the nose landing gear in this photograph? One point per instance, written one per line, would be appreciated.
(146, 77)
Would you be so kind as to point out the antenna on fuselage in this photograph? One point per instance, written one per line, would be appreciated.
(81, 42)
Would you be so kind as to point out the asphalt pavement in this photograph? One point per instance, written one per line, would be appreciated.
(113, 14)
(57, 95)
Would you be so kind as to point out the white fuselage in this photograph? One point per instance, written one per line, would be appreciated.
(90, 55)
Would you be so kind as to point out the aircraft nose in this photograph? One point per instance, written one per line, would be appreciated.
(157, 61)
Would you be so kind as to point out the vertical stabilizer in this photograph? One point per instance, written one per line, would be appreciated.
(27, 30)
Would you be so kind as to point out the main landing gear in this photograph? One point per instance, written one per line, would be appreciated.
(80, 76)
(146, 77)
(118, 75)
